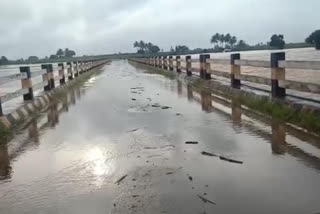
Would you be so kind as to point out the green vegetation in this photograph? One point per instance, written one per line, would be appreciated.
(223, 41)
(180, 49)
(4, 134)
(145, 47)
(314, 39)
(309, 120)
(277, 41)
(3, 60)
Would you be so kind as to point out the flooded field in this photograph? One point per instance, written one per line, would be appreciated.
(131, 142)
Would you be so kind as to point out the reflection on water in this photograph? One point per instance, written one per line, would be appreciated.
(69, 158)
(244, 120)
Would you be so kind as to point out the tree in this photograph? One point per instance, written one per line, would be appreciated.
(215, 39)
(53, 56)
(233, 41)
(154, 49)
(222, 41)
(314, 39)
(242, 45)
(60, 53)
(181, 49)
(277, 41)
(33, 58)
(145, 47)
(69, 53)
(4, 60)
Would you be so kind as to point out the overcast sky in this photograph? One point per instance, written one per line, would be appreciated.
(40, 27)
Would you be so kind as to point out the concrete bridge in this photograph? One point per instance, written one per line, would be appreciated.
(120, 138)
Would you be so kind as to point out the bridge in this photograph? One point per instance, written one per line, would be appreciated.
(158, 135)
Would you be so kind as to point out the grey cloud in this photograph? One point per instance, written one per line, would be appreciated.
(40, 27)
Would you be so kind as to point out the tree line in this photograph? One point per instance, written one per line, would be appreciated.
(60, 54)
(228, 42)
(145, 47)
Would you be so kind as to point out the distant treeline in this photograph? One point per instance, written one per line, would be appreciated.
(228, 43)
(221, 43)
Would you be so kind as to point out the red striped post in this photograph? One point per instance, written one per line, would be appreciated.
(235, 72)
(26, 83)
(277, 74)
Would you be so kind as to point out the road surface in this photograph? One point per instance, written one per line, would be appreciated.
(117, 144)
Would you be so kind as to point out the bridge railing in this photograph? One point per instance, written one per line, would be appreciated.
(277, 65)
(66, 72)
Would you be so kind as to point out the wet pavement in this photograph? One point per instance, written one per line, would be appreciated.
(117, 144)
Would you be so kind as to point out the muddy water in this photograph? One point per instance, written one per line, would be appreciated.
(70, 159)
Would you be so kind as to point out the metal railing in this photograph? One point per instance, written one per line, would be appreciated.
(277, 66)
(66, 72)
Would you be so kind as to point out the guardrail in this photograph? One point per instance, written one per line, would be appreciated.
(277, 66)
(74, 69)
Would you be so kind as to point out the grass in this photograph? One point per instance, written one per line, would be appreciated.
(168, 74)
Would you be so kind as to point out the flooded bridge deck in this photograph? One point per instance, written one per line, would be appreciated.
(117, 144)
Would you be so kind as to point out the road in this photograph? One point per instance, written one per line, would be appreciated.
(117, 144)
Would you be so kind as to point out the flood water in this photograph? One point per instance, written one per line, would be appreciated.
(129, 126)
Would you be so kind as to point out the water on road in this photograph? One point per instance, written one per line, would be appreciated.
(117, 144)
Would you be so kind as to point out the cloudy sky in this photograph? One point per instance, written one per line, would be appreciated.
(40, 27)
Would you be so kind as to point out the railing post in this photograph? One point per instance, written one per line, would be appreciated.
(157, 62)
(178, 64)
(201, 66)
(61, 73)
(207, 67)
(165, 63)
(170, 63)
(75, 68)
(204, 73)
(1, 111)
(69, 71)
(26, 83)
(48, 76)
(277, 74)
(188, 65)
(235, 71)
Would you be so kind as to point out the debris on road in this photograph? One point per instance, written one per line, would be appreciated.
(155, 106)
(149, 147)
(192, 142)
(121, 179)
(209, 154)
(222, 157)
(178, 114)
(230, 160)
(165, 107)
(133, 99)
(206, 200)
(133, 130)
(190, 178)
(151, 156)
